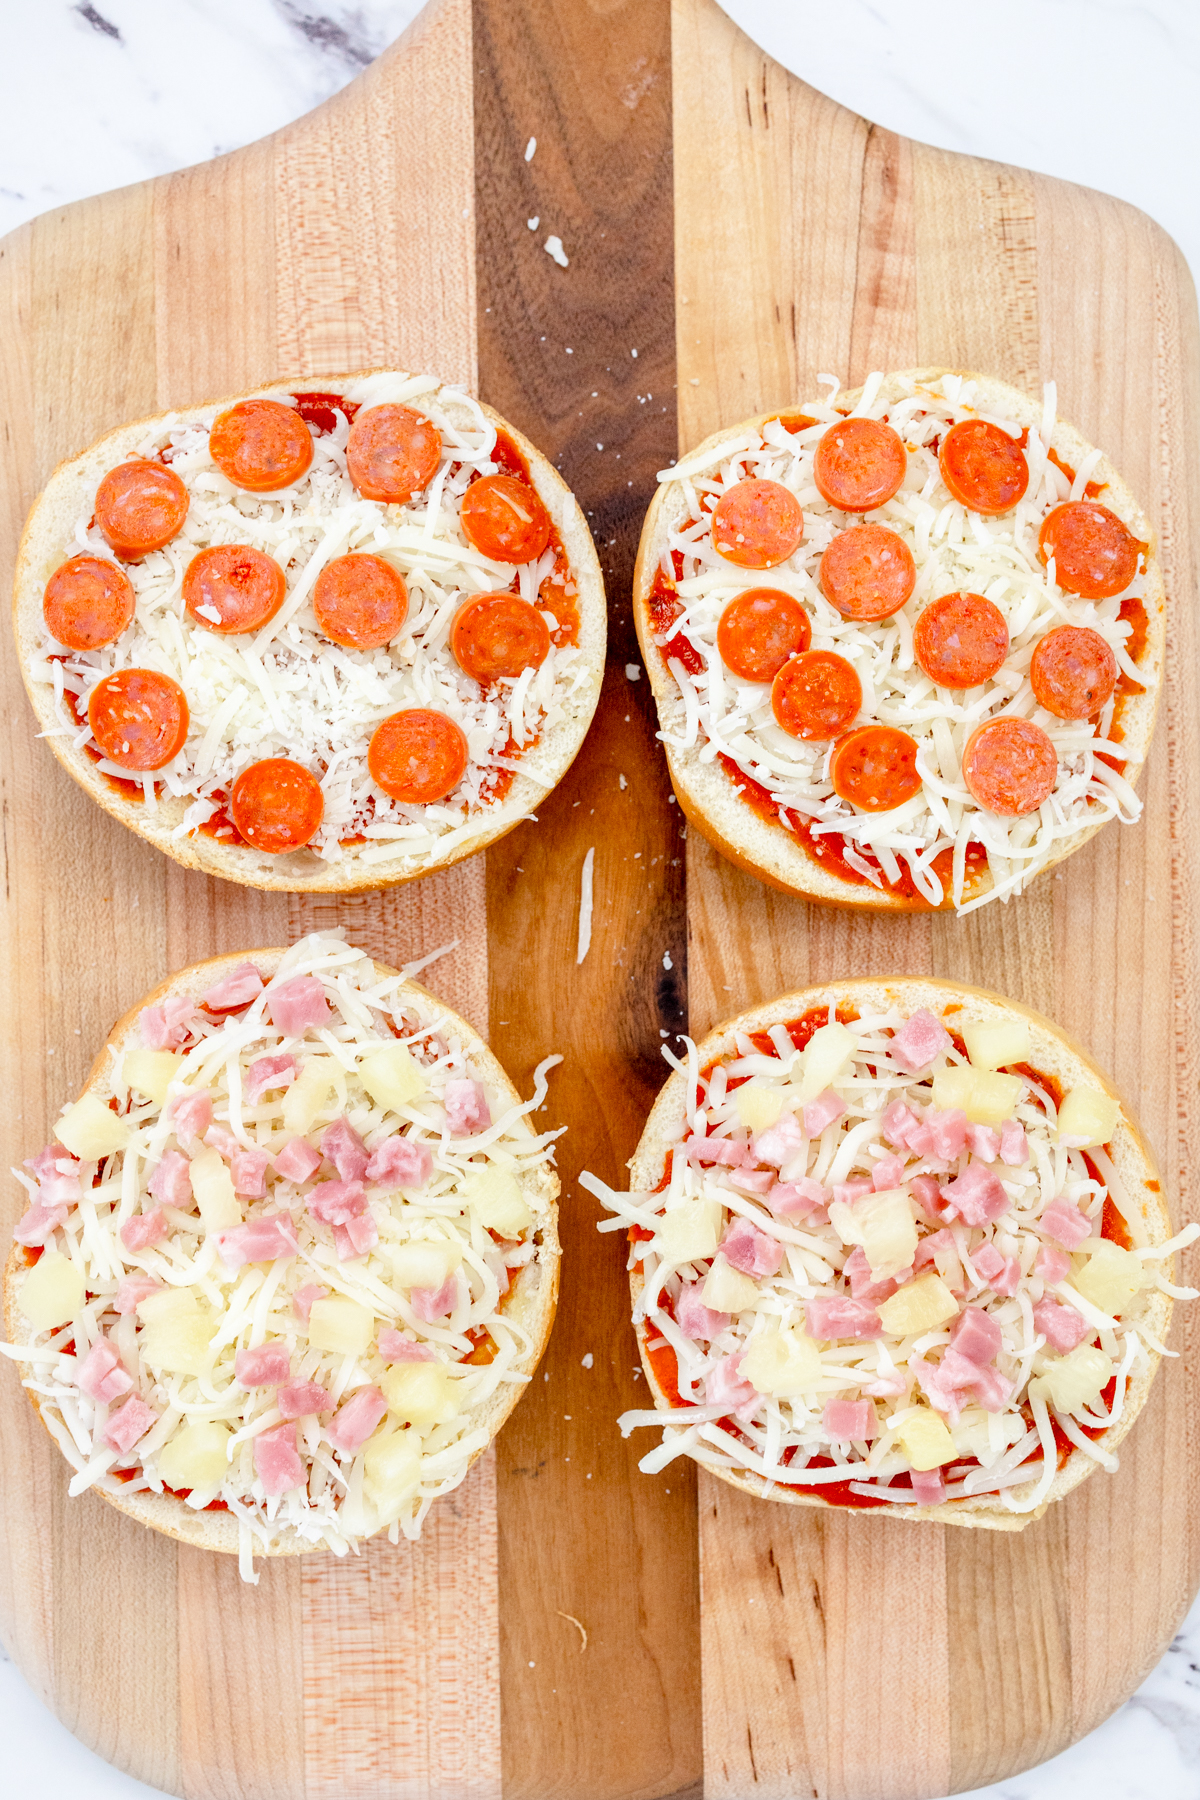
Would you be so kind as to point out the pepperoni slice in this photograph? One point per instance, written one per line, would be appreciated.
(1095, 554)
(88, 602)
(859, 463)
(392, 452)
(140, 505)
(233, 587)
(757, 524)
(504, 518)
(759, 631)
(1010, 766)
(867, 572)
(498, 634)
(139, 718)
(261, 445)
(277, 805)
(360, 601)
(816, 695)
(983, 467)
(960, 640)
(875, 768)
(417, 755)
(1073, 671)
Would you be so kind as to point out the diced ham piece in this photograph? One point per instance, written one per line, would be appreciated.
(991, 1389)
(51, 1161)
(987, 1260)
(249, 1171)
(1066, 1223)
(920, 1139)
(301, 1399)
(132, 1291)
(976, 1335)
(434, 1303)
(297, 1005)
(947, 1133)
(887, 1173)
(100, 1373)
(297, 1160)
(798, 1199)
(400, 1162)
(355, 1237)
(266, 1073)
(141, 1230)
(949, 1382)
(732, 1153)
(192, 1114)
(264, 1239)
(850, 1419)
(130, 1422)
(1014, 1146)
(984, 1142)
(265, 1366)
(1052, 1265)
(171, 1182)
(976, 1195)
(847, 1192)
(752, 1251)
(36, 1225)
(222, 1140)
(276, 1462)
(302, 1299)
(838, 1317)
(825, 1110)
(919, 1040)
(345, 1150)
(694, 1319)
(863, 1286)
(169, 1026)
(1008, 1279)
(752, 1181)
(337, 1202)
(928, 1195)
(397, 1346)
(239, 988)
(1063, 1327)
(354, 1422)
(897, 1122)
(929, 1486)
(725, 1386)
(944, 1394)
(776, 1145)
(467, 1108)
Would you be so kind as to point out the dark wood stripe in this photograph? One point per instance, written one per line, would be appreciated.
(581, 1531)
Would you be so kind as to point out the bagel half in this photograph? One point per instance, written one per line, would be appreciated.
(59, 519)
(709, 794)
(1051, 1054)
(528, 1306)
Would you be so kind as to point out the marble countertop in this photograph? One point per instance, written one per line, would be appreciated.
(99, 95)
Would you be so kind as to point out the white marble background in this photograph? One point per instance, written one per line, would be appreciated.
(1103, 92)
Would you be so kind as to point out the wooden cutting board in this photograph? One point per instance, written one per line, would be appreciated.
(741, 234)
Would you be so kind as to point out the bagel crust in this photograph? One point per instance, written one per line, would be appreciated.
(1054, 1055)
(528, 1306)
(714, 799)
(67, 499)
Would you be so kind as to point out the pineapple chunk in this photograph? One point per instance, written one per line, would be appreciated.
(176, 1332)
(421, 1393)
(1110, 1276)
(496, 1197)
(90, 1130)
(340, 1325)
(985, 1097)
(690, 1232)
(196, 1457)
(425, 1265)
(827, 1056)
(308, 1096)
(844, 1220)
(391, 1077)
(1068, 1382)
(727, 1290)
(887, 1231)
(391, 1466)
(52, 1292)
(998, 1044)
(151, 1072)
(782, 1362)
(921, 1305)
(758, 1106)
(925, 1440)
(1087, 1117)
(953, 1087)
(213, 1188)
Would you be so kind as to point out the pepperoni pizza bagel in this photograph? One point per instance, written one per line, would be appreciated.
(906, 643)
(292, 1258)
(895, 1245)
(325, 637)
